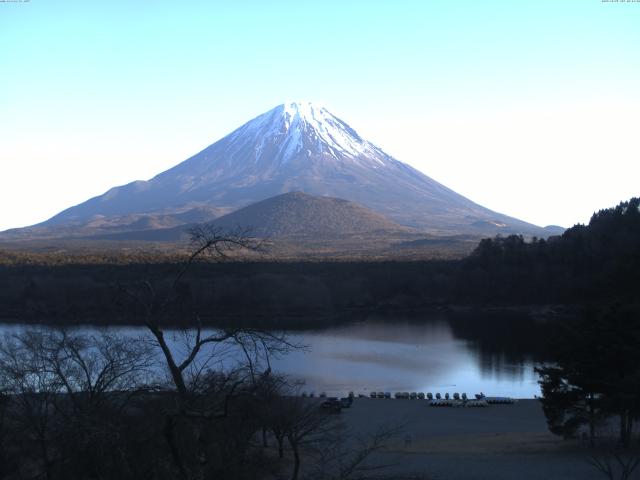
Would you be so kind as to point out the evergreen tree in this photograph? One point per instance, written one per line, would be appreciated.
(596, 374)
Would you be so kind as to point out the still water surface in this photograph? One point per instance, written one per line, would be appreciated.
(430, 354)
(408, 356)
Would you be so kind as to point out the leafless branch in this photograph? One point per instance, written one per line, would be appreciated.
(612, 462)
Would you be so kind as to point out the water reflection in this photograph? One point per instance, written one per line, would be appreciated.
(434, 352)
(430, 353)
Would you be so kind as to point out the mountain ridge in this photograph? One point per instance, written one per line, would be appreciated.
(298, 147)
(287, 216)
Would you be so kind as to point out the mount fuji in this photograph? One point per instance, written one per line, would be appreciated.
(295, 147)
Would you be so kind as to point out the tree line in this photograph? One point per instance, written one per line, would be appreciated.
(591, 385)
(597, 262)
(594, 263)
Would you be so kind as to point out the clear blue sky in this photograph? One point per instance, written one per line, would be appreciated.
(531, 108)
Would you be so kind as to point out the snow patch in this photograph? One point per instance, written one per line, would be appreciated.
(320, 123)
(307, 128)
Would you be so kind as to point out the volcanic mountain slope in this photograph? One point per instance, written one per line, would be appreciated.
(298, 147)
(102, 225)
(300, 214)
(294, 214)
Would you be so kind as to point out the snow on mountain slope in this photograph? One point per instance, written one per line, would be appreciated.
(299, 146)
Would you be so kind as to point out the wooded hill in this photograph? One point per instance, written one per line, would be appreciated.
(596, 263)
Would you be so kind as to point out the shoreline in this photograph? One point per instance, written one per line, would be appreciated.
(318, 319)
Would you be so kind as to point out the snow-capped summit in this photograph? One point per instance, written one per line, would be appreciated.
(301, 128)
(298, 146)
(327, 129)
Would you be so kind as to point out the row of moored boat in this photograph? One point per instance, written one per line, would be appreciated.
(437, 400)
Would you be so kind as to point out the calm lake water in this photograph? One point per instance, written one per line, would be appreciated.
(436, 355)
(432, 353)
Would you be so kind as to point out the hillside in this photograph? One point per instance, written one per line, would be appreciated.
(299, 214)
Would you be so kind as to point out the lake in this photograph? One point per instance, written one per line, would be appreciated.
(433, 355)
(429, 353)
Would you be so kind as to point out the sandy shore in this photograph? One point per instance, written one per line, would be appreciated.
(496, 442)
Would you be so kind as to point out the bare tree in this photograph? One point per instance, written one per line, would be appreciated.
(157, 307)
(67, 393)
(305, 424)
(205, 385)
(91, 369)
(4, 453)
(321, 440)
(33, 392)
(351, 459)
(615, 464)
